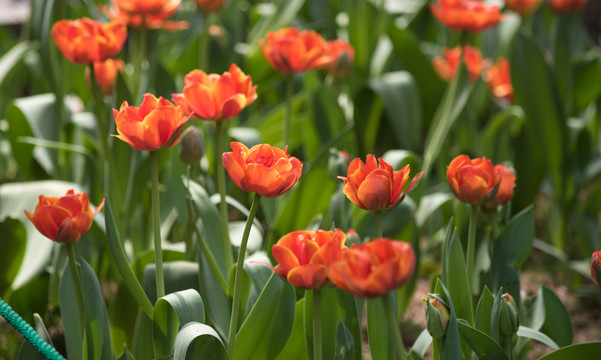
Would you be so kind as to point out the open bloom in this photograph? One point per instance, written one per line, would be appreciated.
(473, 181)
(291, 50)
(523, 7)
(506, 181)
(304, 256)
(209, 6)
(63, 219)
(374, 268)
(216, 97)
(156, 124)
(85, 41)
(105, 73)
(342, 58)
(567, 6)
(446, 66)
(498, 78)
(469, 15)
(142, 13)
(262, 169)
(377, 187)
(596, 267)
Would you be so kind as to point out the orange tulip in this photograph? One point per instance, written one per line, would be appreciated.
(596, 267)
(105, 73)
(498, 78)
(142, 13)
(156, 124)
(304, 256)
(148, 7)
(374, 268)
(466, 15)
(567, 6)
(262, 169)
(377, 187)
(209, 6)
(343, 58)
(447, 67)
(63, 219)
(290, 50)
(523, 7)
(472, 181)
(216, 97)
(85, 41)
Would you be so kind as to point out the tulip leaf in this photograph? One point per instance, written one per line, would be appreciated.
(562, 62)
(345, 344)
(281, 16)
(295, 347)
(429, 204)
(558, 323)
(452, 346)
(11, 58)
(27, 351)
(255, 237)
(259, 273)
(587, 81)
(171, 312)
(421, 344)
(268, 326)
(378, 333)
(486, 348)
(198, 341)
(483, 311)
(178, 276)
(126, 355)
(216, 300)
(589, 350)
(13, 251)
(530, 333)
(498, 133)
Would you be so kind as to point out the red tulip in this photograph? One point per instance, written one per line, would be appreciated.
(342, 58)
(262, 169)
(156, 124)
(85, 41)
(567, 6)
(290, 50)
(304, 256)
(523, 7)
(498, 78)
(466, 15)
(216, 97)
(446, 67)
(105, 73)
(596, 267)
(472, 181)
(63, 219)
(374, 268)
(377, 187)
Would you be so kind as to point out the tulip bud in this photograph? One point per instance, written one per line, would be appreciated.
(596, 267)
(437, 316)
(509, 319)
(338, 163)
(192, 146)
(353, 238)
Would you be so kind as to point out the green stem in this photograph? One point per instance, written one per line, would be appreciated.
(76, 286)
(238, 278)
(378, 223)
(471, 247)
(156, 220)
(190, 248)
(219, 128)
(140, 73)
(394, 328)
(288, 114)
(203, 44)
(317, 347)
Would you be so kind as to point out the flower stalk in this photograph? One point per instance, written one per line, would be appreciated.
(76, 285)
(156, 220)
(219, 129)
(394, 328)
(317, 347)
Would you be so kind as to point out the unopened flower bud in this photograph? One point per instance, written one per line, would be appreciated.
(437, 315)
(353, 238)
(192, 146)
(338, 163)
(596, 267)
(509, 319)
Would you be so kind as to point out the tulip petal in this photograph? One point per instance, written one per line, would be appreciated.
(311, 276)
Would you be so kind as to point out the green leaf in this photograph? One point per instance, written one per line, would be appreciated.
(558, 323)
(126, 355)
(483, 311)
(452, 345)
(178, 275)
(529, 333)
(345, 344)
(198, 341)
(485, 347)
(281, 15)
(429, 204)
(27, 351)
(295, 348)
(421, 344)
(11, 58)
(171, 312)
(380, 344)
(577, 351)
(12, 253)
(268, 326)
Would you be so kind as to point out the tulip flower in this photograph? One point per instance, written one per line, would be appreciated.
(437, 316)
(146, 14)
(509, 317)
(105, 73)
(84, 41)
(156, 124)
(146, 7)
(209, 6)
(446, 66)
(523, 7)
(498, 78)
(291, 50)
(472, 181)
(566, 6)
(262, 169)
(304, 256)
(596, 267)
(377, 187)
(63, 219)
(506, 180)
(374, 268)
(468, 15)
(342, 58)
(216, 97)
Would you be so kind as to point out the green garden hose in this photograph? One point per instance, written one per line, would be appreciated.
(28, 333)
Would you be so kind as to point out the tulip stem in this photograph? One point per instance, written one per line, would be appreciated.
(203, 44)
(471, 246)
(76, 286)
(317, 351)
(378, 223)
(238, 278)
(393, 326)
(221, 187)
(156, 220)
(288, 114)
